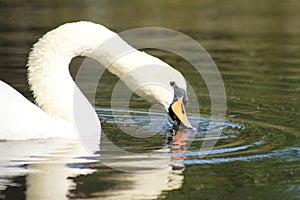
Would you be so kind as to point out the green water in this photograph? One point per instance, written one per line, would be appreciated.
(255, 45)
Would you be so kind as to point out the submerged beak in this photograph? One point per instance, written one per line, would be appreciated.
(179, 111)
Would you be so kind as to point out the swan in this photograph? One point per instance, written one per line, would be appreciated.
(53, 87)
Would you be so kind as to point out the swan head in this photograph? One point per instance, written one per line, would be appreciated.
(148, 76)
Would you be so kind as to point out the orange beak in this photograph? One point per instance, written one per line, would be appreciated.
(179, 110)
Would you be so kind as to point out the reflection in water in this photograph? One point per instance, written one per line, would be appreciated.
(44, 163)
(143, 183)
(51, 167)
(60, 169)
(178, 146)
(144, 175)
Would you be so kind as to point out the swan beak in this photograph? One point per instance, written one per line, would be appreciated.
(179, 110)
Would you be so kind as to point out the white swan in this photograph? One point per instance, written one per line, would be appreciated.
(53, 87)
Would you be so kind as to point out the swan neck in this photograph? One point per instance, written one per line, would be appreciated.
(48, 64)
(53, 87)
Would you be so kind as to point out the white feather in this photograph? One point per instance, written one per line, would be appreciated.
(53, 87)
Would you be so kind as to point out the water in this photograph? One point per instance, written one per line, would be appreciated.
(255, 45)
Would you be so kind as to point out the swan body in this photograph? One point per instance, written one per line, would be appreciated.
(53, 87)
(22, 120)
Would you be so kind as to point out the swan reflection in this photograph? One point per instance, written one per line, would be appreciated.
(53, 166)
(134, 175)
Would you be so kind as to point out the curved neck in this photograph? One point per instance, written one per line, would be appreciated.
(48, 66)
